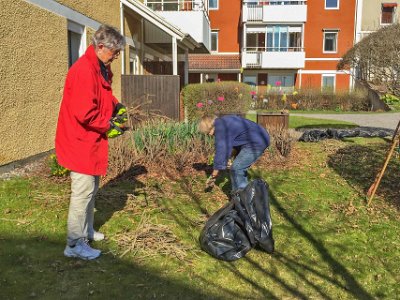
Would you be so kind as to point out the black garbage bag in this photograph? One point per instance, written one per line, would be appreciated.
(315, 135)
(242, 224)
(253, 206)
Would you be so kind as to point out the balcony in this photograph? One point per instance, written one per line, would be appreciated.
(189, 16)
(287, 11)
(273, 58)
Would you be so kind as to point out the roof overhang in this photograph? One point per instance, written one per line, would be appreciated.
(154, 18)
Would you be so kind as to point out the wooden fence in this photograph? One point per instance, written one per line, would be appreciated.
(155, 93)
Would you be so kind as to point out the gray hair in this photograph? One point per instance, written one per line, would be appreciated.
(109, 36)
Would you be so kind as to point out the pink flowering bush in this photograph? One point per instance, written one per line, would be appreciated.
(216, 98)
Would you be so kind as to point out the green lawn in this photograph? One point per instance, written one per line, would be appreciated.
(329, 245)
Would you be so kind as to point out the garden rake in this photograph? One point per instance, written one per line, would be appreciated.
(395, 144)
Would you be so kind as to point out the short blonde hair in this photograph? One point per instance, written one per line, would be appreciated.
(206, 124)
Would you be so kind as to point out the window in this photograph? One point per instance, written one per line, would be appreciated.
(330, 41)
(388, 13)
(255, 41)
(283, 38)
(76, 42)
(285, 80)
(213, 4)
(250, 80)
(214, 41)
(331, 4)
(328, 82)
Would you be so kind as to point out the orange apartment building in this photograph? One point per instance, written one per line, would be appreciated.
(290, 42)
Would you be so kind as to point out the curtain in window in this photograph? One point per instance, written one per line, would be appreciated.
(330, 41)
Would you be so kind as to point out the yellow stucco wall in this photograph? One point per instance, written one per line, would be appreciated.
(32, 71)
(371, 14)
(33, 67)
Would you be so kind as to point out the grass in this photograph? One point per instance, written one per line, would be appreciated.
(329, 245)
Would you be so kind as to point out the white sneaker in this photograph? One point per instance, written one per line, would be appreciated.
(96, 236)
(82, 250)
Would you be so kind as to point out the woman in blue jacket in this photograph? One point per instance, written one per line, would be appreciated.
(231, 132)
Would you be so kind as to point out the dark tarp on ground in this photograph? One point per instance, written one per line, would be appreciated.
(243, 223)
(315, 135)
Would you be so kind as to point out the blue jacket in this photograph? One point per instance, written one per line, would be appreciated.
(236, 132)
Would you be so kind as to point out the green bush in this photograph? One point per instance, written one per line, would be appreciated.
(55, 168)
(216, 98)
(392, 101)
(312, 99)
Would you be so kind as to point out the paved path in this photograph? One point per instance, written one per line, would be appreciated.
(379, 120)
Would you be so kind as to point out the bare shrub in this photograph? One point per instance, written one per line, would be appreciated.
(166, 145)
(376, 58)
(281, 141)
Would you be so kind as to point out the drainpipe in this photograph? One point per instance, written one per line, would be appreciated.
(121, 9)
(186, 66)
(174, 56)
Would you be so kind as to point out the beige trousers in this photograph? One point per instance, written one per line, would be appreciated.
(81, 206)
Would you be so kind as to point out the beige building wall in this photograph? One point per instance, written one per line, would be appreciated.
(34, 49)
(32, 71)
(371, 14)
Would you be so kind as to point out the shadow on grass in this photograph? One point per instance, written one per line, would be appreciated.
(286, 266)
(349, 283)
(359, 165)
(113, 196)
(33, 268)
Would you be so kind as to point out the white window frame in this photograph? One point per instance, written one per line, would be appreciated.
(213, 8)
(334, 81)
(333, 8)
(134, 60)
(81, 30)
(337, 41)
(215, 31)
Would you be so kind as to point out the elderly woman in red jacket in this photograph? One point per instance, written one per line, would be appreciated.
(85, 118)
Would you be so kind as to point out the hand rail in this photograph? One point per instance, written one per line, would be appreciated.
(177, 5)
(275, 2)
(273, 49)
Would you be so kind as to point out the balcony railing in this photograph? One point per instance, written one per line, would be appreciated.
(275, 2)
(273, 49)
(273, 57)
(177, 5)
(274, 10)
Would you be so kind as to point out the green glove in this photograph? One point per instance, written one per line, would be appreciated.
(116, 129)
(120, 114)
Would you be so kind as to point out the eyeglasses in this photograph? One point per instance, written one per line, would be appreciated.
(114, 53)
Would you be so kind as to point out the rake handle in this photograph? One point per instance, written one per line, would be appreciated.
(374, 186)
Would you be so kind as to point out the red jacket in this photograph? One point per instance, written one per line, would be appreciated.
(85, 112)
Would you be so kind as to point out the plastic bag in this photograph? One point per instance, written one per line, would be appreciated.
(315, 135)
(242, 224)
